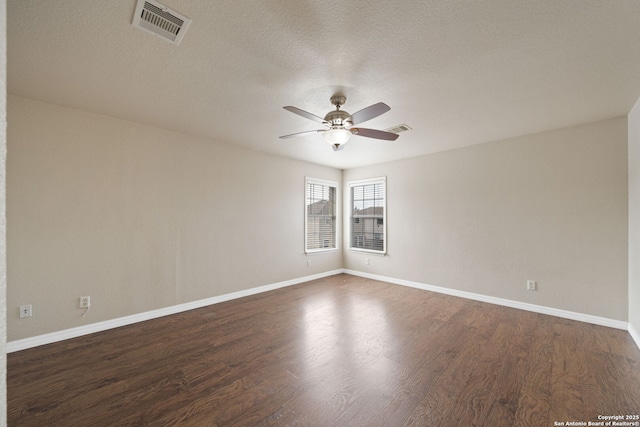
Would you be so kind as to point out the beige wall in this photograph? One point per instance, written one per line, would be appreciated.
(141, 218)
(550, 207)
(3, 229)
(634, 219)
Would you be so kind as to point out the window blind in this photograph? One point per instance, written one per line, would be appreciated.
(320, 215)
(368, 205)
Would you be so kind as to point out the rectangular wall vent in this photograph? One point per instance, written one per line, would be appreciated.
(399, 128)
(158, 19)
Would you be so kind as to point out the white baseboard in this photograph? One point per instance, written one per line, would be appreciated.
(39, 340)
(603, 321)
(634, 334)
(50, 338)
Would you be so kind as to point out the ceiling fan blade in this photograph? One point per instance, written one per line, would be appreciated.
(305, 133)
(305, 114)
(368, 113)
(373, 133)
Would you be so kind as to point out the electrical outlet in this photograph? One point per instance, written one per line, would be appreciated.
(25, 311)
(85, 302)
(367, 261)
(532, 285)
(308, 263)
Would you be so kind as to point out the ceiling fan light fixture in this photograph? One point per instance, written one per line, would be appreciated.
(337, 136)
(338, 123)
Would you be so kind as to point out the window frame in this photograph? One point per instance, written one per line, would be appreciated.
(363, 182)
(336, 198)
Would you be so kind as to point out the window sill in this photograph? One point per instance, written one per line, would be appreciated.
(369, 251)
(320, 251)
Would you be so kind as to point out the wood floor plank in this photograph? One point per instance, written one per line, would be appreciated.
(343, 351)
(533, 407)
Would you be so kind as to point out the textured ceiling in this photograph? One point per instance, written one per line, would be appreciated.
(457, 72)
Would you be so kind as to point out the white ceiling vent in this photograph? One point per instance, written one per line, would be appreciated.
(158, 19)
(399, 128)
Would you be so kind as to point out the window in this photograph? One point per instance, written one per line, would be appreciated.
(320, 215)
(368, 215)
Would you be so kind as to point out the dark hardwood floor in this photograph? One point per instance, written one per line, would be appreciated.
(343, 351)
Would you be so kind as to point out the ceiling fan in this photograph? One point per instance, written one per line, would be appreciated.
(339, 124)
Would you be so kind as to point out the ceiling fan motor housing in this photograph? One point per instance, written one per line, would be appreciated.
(337, 118)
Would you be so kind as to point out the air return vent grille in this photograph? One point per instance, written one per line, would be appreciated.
(158, 19)
(399, 128)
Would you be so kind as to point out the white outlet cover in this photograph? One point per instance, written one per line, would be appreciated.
(25, 311)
